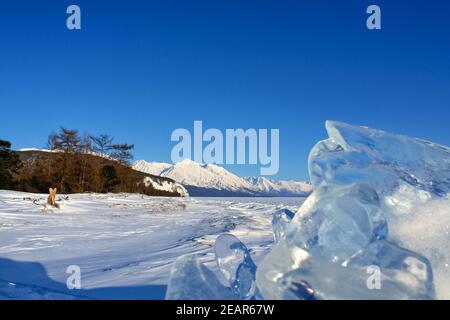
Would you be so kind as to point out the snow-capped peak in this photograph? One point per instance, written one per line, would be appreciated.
(154, 168)
(282, 187)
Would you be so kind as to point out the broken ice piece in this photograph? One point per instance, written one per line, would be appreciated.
(405, 267)
(280, 222)
(235, 263)
(382, 271)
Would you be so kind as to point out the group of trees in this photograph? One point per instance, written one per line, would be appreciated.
(83, 163)
(9, 164)
(69, 141)
(74, 163)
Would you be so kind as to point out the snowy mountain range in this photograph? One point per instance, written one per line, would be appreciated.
(212, 180)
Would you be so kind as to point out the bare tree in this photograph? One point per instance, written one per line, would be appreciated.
(51, 141)
(66, 140)
(102, 144)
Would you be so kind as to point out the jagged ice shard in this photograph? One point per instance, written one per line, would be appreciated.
(380, 202)
(280, 221)
(236, 265)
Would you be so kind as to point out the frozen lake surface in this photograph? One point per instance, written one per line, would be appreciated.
(124, 244)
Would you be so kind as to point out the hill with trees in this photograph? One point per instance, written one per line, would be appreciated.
(77, 164)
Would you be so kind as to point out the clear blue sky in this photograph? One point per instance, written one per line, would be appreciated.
(140, 69)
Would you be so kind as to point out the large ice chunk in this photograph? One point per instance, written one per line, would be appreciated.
(401, 275)
(383, 160)
(367, 184)
(280, 221)
(338, 221)
(236, 264)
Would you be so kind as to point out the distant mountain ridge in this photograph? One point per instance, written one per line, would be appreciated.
(284, 188)
(213, 180)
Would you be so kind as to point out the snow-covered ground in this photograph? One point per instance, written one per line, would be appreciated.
(124, 244)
